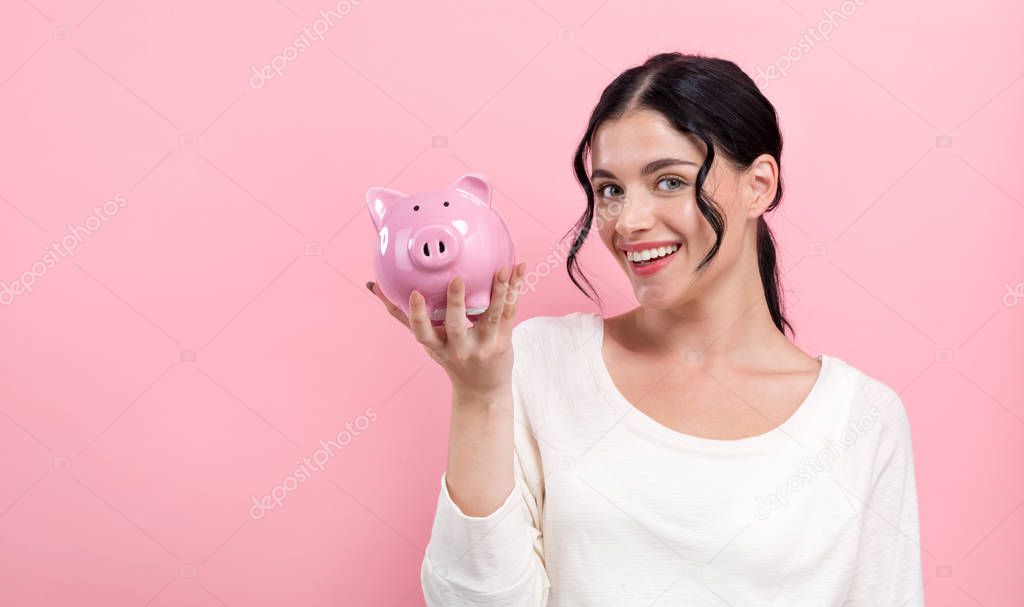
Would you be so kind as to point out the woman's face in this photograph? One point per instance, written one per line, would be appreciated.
(643, 175)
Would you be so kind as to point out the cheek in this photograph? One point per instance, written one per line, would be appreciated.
(689, 221)
(736, 218)
(605, 216)
(606, 230)
(725, 202)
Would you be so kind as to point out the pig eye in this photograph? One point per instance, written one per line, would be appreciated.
(445, 203)
(416, 208)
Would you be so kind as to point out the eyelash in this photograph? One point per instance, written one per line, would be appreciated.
(599, 189)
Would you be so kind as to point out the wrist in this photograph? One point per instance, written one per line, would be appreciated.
(477, 399)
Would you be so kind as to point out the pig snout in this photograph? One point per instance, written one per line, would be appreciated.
(435, 247)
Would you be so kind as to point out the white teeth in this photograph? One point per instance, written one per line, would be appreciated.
(651, 253)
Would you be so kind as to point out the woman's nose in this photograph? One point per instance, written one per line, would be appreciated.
(634, 216)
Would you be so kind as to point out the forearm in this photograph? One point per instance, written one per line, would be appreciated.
(480, 451)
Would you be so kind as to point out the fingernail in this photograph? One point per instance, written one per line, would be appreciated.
(503, 274)
(369, 287)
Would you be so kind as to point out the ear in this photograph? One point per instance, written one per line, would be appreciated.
(379, 201)
(762, 180)
(476, 186)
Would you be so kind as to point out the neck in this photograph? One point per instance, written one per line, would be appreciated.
(730, 321)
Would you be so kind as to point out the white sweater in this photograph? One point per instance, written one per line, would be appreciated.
(613, 508)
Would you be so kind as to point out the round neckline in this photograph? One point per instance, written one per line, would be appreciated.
(782, 434)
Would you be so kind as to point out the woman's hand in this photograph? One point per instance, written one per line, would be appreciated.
(477, 359)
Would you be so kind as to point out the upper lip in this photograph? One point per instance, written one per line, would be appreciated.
(643, 246)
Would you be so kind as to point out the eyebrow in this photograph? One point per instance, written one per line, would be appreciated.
(648, 168)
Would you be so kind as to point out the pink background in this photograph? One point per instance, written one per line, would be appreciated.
(210, 332)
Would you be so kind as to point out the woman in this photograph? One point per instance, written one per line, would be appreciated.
(685, 452)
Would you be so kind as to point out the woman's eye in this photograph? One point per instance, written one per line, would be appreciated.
(675, 183)
(603, 190)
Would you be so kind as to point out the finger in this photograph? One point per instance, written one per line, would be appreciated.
(419, 323)
(512, 298)
(392, 309)
(489, 321)
(455, 312)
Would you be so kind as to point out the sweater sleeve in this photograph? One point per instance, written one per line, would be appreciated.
(889, 559)
(497, 559)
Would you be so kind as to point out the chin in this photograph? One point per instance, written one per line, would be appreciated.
(659, 298)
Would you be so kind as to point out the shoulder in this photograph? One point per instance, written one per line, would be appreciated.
(867, 393)
(550, 351)
(547, 363)
(550, 332)
(876, 417)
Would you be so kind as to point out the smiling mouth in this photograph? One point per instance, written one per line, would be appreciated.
(671, 250)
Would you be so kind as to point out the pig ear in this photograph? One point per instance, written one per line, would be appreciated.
(379, 202)
(476, 186)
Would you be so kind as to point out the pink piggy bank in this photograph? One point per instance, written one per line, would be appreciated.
(426, 240)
